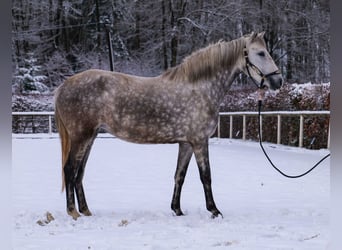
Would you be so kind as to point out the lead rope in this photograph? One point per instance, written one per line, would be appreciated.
(260, 98)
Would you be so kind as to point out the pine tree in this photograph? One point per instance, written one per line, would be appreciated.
(28, 79)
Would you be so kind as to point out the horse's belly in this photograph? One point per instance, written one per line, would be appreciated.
(158, 123)
(149, 133)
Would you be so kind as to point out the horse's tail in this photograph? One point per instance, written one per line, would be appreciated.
(65, 142)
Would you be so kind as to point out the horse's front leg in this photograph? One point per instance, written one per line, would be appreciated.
(184, 156)
(202, 157)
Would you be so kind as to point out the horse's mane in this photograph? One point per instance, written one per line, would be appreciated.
(204, 63)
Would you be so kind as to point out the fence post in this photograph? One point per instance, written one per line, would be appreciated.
(230, 127)
(328, 145)
(244, 127)
(301, 125)
(278, 129)
(50, 125)
(261, 127)
(219, 127)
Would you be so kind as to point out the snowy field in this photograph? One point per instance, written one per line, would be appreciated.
(129, 189)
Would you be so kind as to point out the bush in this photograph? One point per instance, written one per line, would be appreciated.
(291, 97)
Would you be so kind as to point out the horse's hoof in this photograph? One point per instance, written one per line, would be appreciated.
(86, 213)
(74, 214)
(215, 214)
(178, 212)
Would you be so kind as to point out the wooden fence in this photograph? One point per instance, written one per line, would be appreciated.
(27, 122)
(279, 115)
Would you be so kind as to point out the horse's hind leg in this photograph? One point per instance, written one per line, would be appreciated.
(70, 171)
(202, 157)
(184, 156)
(73, 173)
(82, 203)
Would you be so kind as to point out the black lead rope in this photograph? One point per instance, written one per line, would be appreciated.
(260, 86)
(268, 158)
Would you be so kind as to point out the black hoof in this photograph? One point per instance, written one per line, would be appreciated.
(176, 208)
(178, 212)
(215, 214)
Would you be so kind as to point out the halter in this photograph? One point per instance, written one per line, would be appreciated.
(258, 71)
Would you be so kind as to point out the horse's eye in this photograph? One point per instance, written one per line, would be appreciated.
(261, 53)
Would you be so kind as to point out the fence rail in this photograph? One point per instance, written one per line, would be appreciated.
(49, 114)
(279, 115)
(244, 115)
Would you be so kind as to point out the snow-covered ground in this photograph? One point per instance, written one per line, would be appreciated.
(129, 189)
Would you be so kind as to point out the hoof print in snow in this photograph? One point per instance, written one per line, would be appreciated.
(46, 221)
(123, 223)
(225, 243)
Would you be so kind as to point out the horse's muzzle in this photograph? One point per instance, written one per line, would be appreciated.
(275, 81)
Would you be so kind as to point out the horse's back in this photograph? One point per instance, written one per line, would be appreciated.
(99, 80)
(125, 105)
(95, 87)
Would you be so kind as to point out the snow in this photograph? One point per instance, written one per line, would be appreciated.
(299, 89)
(129, 188)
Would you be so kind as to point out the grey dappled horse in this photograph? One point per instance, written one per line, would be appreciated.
(179, 106)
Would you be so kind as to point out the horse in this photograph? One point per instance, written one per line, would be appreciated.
(179, 106)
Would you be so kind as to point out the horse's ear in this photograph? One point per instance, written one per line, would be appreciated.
(253, 35)
(250, 37)
(261, 34)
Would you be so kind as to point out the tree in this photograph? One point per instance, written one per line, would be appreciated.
(150, 36)
(28, 77)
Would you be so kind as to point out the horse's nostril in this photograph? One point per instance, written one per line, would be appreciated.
(276, 82)
(280, 82)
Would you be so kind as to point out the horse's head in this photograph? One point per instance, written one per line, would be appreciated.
(259, 65)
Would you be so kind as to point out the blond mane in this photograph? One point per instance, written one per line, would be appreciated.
(204, 63)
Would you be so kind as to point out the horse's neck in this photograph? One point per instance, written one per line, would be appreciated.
(225, 76)
(220, 85)
(209, 63)
(232, 66)
(215, 67)
(230, 59)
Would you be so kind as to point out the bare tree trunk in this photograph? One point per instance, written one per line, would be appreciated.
(98, 29)
(165, 57)
(177, 9)
(137, 40)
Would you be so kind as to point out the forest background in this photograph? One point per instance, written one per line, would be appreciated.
(52, 40)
